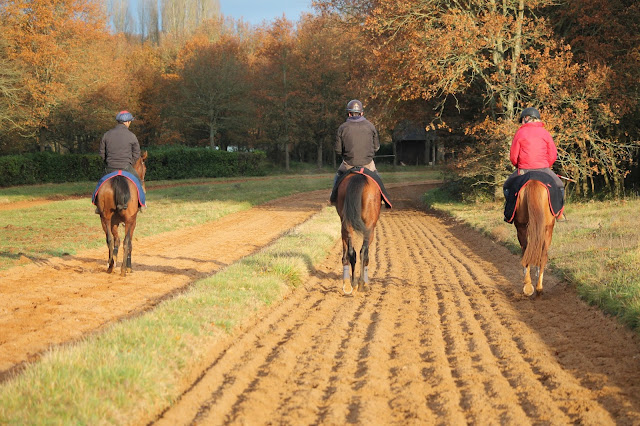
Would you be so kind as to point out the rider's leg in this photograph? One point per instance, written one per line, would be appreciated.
(334, 191)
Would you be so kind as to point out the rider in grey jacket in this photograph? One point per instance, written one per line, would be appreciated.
(119, 147)
(357, 141)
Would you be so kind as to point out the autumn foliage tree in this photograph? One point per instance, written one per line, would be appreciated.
(324, 56)
(47, 40)
(493, 58)
(212, 88)
(11, 105)
(275, 61)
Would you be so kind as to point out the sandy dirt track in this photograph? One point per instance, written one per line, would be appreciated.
(62, 299)
(443, 337)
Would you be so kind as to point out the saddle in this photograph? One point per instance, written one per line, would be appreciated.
(556, 195)
(132, 178)
(368, 173)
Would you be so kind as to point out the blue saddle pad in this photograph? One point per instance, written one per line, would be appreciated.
(132, 178)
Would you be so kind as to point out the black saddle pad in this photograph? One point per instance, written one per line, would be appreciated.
(556, 196)
(370, 174)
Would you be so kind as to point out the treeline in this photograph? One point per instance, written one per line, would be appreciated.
(164, 163)
(280, 87)
(464, 70)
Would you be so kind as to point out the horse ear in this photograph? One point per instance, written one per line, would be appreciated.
(144, 155)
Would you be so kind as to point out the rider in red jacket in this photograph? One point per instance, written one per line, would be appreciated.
(533, 148)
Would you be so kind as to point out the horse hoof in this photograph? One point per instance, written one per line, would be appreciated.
(363, 286)
(527, 291)
(347, 288)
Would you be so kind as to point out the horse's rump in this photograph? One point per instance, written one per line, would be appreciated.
(121, 192)
(352, 208)
(535, 200)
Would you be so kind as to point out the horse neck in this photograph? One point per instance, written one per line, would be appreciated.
(139, 168)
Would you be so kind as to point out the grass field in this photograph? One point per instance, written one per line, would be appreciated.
(596, 249)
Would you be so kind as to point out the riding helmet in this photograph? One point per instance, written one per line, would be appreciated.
(355, 106)
(124, 116)
(529, 112)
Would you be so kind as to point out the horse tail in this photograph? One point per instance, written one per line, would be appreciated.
(352, 213)
(537, 204)
(121, 193)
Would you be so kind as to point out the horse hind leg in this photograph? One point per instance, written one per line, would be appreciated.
(126, 253)
(127, 246)
(111, 259)
(348, 265)
(539, 289)
(528, 287)
(363, 281)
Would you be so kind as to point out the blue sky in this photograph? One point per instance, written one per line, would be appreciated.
(256, 11)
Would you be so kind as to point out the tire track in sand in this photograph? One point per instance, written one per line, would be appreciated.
(442, 337)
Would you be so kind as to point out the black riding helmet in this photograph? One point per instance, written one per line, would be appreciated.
(355, 106)
(530, 112)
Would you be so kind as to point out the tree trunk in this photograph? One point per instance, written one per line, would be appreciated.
(286, 155)
(395, 154)
(213, 129)
(319, 153)
(517, 48)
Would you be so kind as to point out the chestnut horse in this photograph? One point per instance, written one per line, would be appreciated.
(358, 204)
(534, 223)
(117, 201)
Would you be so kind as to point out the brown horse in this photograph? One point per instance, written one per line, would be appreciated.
(117, 202)
(534, 223)
(358, 204)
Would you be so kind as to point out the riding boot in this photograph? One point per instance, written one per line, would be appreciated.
(334, 190)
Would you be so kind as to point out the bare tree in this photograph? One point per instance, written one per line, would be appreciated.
(120, 16)
(182, 17)
(149, 20)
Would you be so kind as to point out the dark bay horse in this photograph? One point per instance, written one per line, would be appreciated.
(358, 204)
(117, 201)
(534, 223)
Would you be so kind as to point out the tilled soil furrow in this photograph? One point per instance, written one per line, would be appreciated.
(280, 370)
(504, 339)
(398, 345)
(534, 390)
(219, 384)
(343, 402)
(483, 386)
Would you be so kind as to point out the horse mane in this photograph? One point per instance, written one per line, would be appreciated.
(536, 252)
(121, 193)
(352, 210)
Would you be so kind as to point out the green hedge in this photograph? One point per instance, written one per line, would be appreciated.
(166, 163)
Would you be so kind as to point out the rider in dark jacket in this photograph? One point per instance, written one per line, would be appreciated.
(357, 141)
(119, 147)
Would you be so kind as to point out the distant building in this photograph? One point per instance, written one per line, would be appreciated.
(413, 145)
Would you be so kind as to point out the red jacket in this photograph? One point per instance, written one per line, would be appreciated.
(533, 147)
